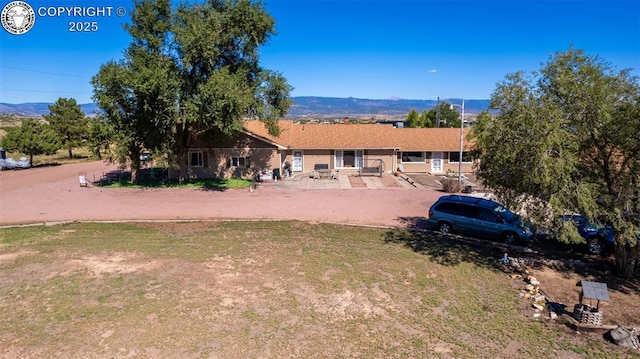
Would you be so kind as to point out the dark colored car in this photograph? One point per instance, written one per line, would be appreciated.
(598, 237)
(477, 217)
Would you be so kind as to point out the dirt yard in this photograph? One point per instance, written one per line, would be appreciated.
(53, 194)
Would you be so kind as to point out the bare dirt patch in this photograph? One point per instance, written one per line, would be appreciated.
(357, 182)
(623, 307)
(389, 181)
(240, 289)
(10, 257)
(50, 194)
(116, 263)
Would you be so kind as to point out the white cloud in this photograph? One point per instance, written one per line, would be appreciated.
(433, 71)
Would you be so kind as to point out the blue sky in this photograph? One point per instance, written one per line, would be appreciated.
(371, 49)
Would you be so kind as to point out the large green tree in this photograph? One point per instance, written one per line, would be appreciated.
(413, 119)
(191, 70)
(444, 115)
(32, 138)
(222, 82)
(100, 136)
(425, 120)
(138, 94)
(567, 140)
(419, 120)
(68, 121)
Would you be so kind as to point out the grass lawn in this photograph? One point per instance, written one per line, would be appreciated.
(147, 180)
(264, 290)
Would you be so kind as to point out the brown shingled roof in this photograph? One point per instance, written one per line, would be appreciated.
(360, 136)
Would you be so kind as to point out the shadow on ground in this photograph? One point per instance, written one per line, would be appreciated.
(452, 250)
(45, 165)
(158, 178)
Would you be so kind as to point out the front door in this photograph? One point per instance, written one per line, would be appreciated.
(436, 162)
(297, 161)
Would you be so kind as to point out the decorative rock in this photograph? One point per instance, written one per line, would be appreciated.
(533, 281)
(539, 298)
(538, 307)
(625, 337)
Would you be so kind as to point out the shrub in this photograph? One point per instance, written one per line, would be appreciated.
(451, 185)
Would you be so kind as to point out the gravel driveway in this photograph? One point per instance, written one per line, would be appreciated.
(52, 194)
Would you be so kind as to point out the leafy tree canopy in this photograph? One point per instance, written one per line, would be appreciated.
(567, 140)
(100, 136)
(413, 119)
(68, 121)
(190, 70)
(33, 138)
(443, 115)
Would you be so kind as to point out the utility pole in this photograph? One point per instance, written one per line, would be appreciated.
(438, 113)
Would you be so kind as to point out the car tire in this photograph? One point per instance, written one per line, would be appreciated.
(445, 228)
(509, 237)
(595, 245)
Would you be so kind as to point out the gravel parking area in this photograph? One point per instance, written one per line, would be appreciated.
(53, 194)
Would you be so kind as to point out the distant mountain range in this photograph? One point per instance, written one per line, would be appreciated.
(304, 106)
(310, 106)
(37, 109)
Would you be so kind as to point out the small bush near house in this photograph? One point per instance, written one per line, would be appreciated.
(451, 185)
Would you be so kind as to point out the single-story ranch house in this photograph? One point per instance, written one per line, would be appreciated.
(344, 148)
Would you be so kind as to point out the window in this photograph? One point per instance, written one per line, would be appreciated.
(485, 214)
(348, 158)
(239, 162)
(196, 159)
(455, 156)
(412, 157)
(457, 209)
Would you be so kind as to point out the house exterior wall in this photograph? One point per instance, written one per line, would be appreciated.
(257, 159)
(312, 157)
(426, 166)
(414, 167)
(217, 161)
(323, 156)
(247, 153)
(197, 171)
(387, 156)
(453, 166)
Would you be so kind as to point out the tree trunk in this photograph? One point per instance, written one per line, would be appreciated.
(70, 153)
(183, 162)
(627, 258)
(182, 151)
(135, 163)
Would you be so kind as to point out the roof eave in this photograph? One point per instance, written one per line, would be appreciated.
(264, 139)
